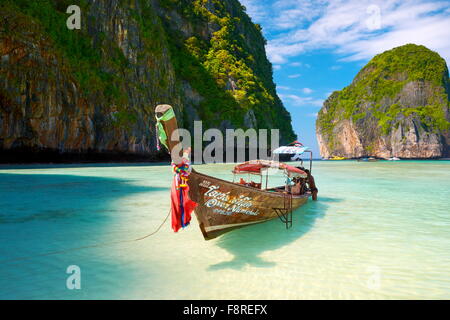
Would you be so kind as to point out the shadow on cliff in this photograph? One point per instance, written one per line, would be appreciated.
(247, 244)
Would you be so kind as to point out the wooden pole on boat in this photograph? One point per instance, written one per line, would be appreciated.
(267, 177)
(165, 115)
(312, 186)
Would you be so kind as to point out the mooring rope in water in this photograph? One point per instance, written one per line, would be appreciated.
(90, 246)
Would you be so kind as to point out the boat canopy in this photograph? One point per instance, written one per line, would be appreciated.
(291, 150)
(257, 166)
(295, 147)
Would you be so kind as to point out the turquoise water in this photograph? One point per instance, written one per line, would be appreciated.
(379, 231)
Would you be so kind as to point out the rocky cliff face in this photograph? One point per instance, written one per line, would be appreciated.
(397, 105)
(93, 91)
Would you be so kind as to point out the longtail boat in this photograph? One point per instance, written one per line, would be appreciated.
(222, 206)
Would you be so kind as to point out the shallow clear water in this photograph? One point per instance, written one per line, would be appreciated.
(379, 231)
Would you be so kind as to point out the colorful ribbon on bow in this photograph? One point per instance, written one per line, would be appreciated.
(182, 205)
(182, 172)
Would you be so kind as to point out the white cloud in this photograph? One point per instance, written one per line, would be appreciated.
(300, 64)
(283, 14)
(299, 101)
(294, 76)
(303, 90)
(255, 9)
(334, 68)
(347, 26)
(276, 67)
(280, 52)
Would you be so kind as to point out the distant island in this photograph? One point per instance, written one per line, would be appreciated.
(397, 106)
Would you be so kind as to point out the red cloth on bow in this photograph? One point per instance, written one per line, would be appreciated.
(182, 205)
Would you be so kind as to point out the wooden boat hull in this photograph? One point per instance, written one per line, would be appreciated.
(224, 206)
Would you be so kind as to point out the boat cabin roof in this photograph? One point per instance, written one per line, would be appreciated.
(257, 166)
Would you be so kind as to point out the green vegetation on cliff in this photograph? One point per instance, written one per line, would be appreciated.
(222, 57)
(380, 92)
(228, 67)
(76, 47)
(97, 69)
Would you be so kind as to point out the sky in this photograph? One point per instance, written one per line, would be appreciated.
(317, 47)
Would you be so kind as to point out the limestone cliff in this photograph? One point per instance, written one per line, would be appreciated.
(397, 105)
(93, 91)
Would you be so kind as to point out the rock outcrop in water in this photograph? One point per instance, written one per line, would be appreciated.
(397, 106)
(93, 91)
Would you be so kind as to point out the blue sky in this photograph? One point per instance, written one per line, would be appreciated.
(318, 46)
